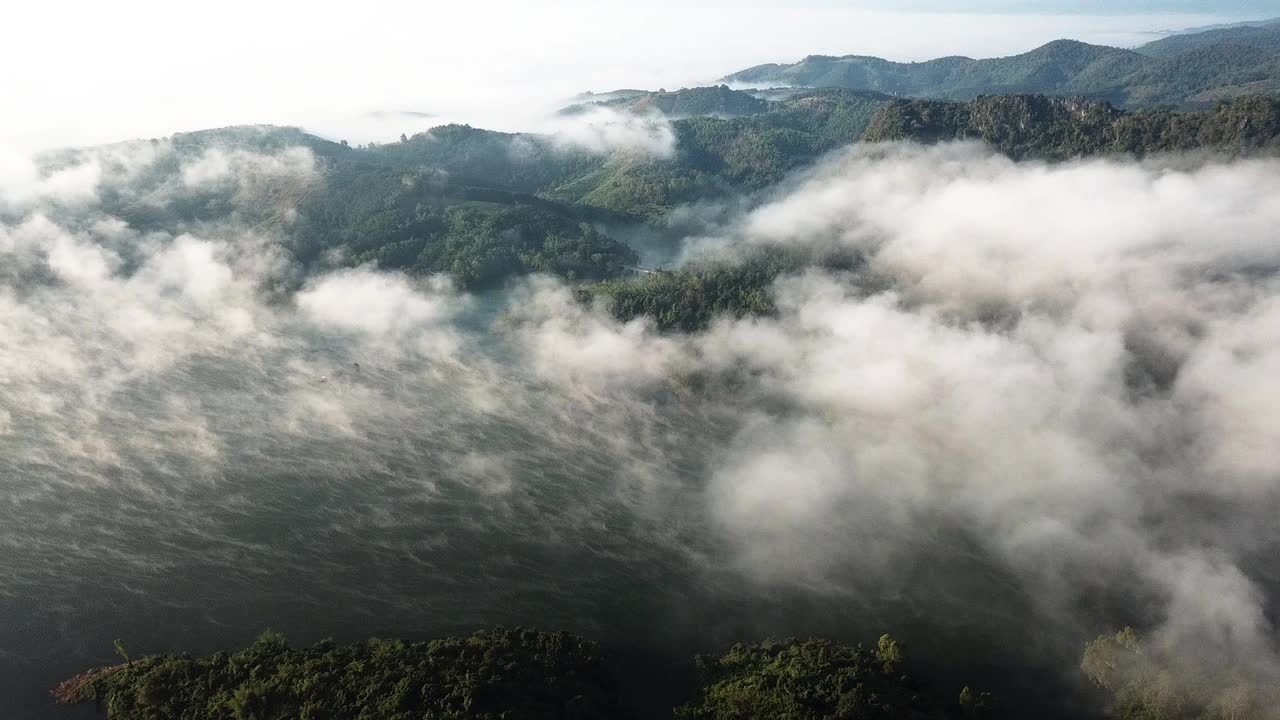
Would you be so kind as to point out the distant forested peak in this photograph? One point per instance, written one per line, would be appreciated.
(1183, 71)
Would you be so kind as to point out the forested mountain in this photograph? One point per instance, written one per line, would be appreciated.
(711, 156)
(1020, 126)
(485, 206)
(1054, 128)
(1263, 35)
(333, 203)
(1179, 71)
(1197, 77)
(1046, 69)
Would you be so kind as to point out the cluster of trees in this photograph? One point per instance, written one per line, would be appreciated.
(1152, 683)
(425, 223)
(691, 297)
(519, 674)
(818, 680)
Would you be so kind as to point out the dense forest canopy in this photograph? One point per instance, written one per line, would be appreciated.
(519, 674)
(524, 674)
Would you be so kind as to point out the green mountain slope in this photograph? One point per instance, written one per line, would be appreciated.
(1210, 71)
(1265, 36)
(713, 155)
(1020, 126)
(486, 206)
(402, 210)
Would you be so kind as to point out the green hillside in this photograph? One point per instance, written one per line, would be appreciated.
(713, 156)
(401, 210)
(1264, 35)
(1048, 69)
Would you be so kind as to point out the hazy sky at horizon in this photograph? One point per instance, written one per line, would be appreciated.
(82, 72)
(1238, 8)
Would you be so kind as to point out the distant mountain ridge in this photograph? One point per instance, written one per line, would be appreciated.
(685, 102)
(1264, 35)
(1185, 71)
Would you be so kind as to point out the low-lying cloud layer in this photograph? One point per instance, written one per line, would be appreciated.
(602, 130)
(1063, 412)
(1072, 366)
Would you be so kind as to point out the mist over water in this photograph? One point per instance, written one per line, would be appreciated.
(1040, 423)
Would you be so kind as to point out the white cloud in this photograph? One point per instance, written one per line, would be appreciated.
(603, 130)
(384, 307)
(1073, 358)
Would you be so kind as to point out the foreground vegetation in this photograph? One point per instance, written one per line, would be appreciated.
(498, 674)
(1147, 682)
(516, 674)
(524, 674)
